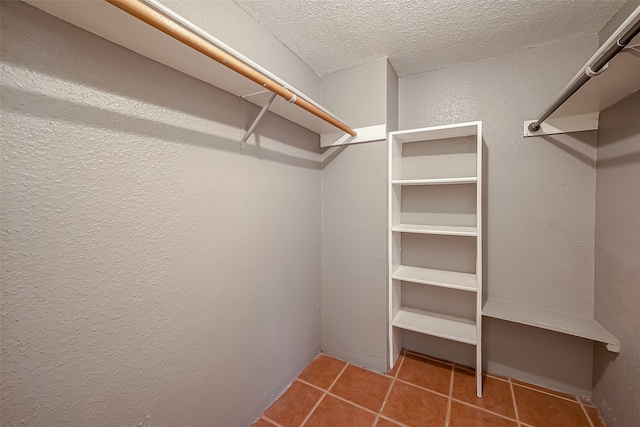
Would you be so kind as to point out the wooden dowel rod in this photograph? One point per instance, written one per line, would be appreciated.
(157, 20)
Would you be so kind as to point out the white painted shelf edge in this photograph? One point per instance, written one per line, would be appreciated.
(448, 230)
(442, 278)
(436, 181)
(437, 132)
(438, 325)
(620, 80)
(550, 319)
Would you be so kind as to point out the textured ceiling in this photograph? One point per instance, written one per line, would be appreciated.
(421, 35)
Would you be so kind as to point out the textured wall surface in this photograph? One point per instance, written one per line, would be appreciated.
(151, 275)
(354, 255)
(618, 19)
(539, 202)
(354, 221)
(617, 376)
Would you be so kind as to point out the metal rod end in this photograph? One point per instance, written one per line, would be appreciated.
(533, 128)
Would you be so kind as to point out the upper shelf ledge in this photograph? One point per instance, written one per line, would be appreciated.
(612, 74)
(124, 29)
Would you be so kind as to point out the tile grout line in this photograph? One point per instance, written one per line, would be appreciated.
(313, 409)
(574, 400)
(384, 401)
(354, 404)
(269, 420)
(515, 405)
(422, 388)
(410, 384)
(393, 381)
(584, 410)
(452, 398)
(447, 419)
(386, 397)
(323, 396)
(508, 379)
(462, 402)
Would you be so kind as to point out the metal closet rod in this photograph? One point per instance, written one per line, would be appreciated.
(598, 66)
(172, 29)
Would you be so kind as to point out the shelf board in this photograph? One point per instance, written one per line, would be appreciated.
(436, 181)
(621, 79)
(447, 230)
(550, 319)
(110, 23)
(437, 132)
(438, 325)
(442, 278)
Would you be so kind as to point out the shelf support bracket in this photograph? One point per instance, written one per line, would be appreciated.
(568, 124)
(255, 122)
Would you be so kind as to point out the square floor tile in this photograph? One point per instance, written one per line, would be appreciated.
(595, 417)
(496, 394)
(425, 373)
(469, 416)
(415, 407)
(543, 410)
(362, 387)
(386, 423)
(294, 405)
(332, 412)
(323, 371)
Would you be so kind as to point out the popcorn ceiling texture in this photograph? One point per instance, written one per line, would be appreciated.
(418, 36)
(151, 275)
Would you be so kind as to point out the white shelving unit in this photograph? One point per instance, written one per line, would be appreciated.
(435, 235)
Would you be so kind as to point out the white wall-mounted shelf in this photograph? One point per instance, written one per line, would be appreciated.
(111, 23)
(552, 320)
(436, 132)
(442, 278)
(620, 80)
(436, 181)
(438, 325)
(446, 230)
(435, 235)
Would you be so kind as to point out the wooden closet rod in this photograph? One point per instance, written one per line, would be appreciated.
(157, 20)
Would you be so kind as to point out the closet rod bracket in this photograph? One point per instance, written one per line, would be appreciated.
(255, 122)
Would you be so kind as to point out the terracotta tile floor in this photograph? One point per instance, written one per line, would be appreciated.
(419, 392)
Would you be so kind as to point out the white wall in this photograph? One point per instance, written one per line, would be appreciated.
(539, 204)
(616, 377)
(151, 275)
